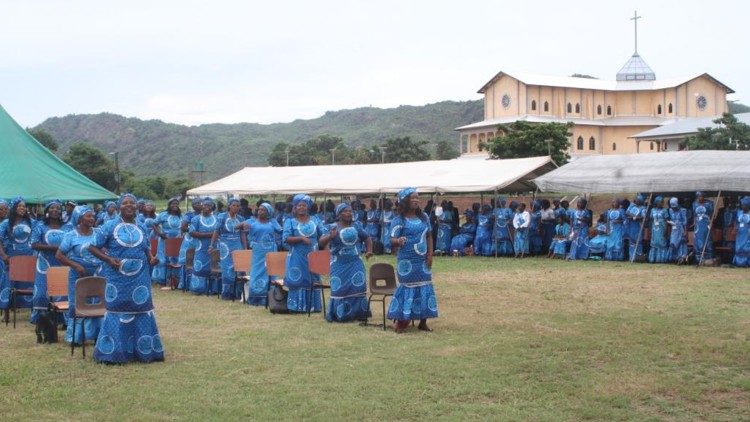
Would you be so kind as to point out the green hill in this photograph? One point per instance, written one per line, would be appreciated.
(152, 147)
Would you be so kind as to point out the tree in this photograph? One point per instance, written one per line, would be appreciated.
(277, 158)
(92, 163)
(44, 138)
(523, 139)
(730, 135)
(445, 150)
(400, 150)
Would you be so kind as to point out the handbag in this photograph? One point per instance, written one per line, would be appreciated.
(277, 299)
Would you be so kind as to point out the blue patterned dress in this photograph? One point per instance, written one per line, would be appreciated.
(262, 239)
(742, 242)
(616, 233)
(298, 277)
(415, 296)
(503, 240)
(75, 247)
(202, 261)
(187, 243)
(128, 331)
(579, 243)
(17, 243)
(635, 215)
(677, 243)
(385, 233)
(560, 240)
(373, 223)
(228, 242)
(659, 251)
(348, 282)
(44, 235)
(170, 226)
(463, 239)
(702, 214)
(483, 244)
(534, 233)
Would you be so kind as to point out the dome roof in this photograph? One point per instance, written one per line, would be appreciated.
(636, 69)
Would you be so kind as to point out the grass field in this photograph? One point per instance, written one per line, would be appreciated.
(516, 340)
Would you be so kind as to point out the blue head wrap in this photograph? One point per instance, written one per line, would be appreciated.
(405, 192)
(640, 198)
(658, 199)
(195, 201)
(673, 202)
(78, 212)
(175, 199)
(139, 201)
(51, 203)
(126, 195)
(501, 201)
(699, 194)
(231, 201)
(341, 207)
(301, 197)
(745, 201)
(108, 204)
(15, 201)
(268, 208)
(208, 201)
(513, 204)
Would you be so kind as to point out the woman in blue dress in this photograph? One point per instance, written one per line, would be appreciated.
(742, 242)
(597, 245)
(483, 244)
(261, 236)
(373, 220)
(444, 234)
(301, 234)
(388, 216)
(659, 250)
(74, 253)
(187, 241)
(503, 223)
(616, 232)
(415, 296)
(580, 222)
(227, 238)
(15, 240)
(128, 331)
(202, 229)
(45, 239)
(559, 246)
(677, 219)
(109, 213)
(547, 229)
(521, 223)
(635, 214)
(348, 281)
(465, 236)
(703, 210)
(166, 226)
(3, 270)
(535, 229)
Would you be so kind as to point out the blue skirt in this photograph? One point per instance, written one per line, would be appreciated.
(126, 337)
(348, 290)
(40, 300)
(415, 301)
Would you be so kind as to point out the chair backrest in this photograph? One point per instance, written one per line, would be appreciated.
(22, 268)
(189, 257)
(90, 289)
(382, 272)
(319, 262)
(172, 247)
(241, 259)
(57, 281)
(215, 259)
(276, 263)
(717, 235)
(154, 246)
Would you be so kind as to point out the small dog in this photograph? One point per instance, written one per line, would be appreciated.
(46, 328)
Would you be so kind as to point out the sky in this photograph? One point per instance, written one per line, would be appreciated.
(195, 62)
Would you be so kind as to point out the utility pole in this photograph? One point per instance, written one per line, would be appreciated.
(382, 154)
(287, 157)
(117, 171)
(333, 156)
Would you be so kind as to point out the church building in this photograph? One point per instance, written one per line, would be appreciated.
(607, 114)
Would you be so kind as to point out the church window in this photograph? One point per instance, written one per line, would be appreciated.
(570, 108)
(580, 142)
(609, 110)
(669, 108)
(578, 108)
(546, 106)
(592, 143)
(533, 105)
(614, 146)
(599, 110)
(658, 109)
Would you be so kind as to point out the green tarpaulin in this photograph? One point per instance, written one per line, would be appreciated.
(30, 170)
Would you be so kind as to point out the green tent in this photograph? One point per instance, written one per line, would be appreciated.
(30, 170)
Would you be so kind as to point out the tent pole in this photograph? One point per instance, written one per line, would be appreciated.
(708, 235)
(640, 232)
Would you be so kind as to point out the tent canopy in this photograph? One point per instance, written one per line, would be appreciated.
(30, 170)
(681, 171)
(446, 176)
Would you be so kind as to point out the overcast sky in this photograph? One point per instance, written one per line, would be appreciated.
(194, 62)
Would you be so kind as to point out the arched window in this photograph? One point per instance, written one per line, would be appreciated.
(669, 108)
(533, 105)
(570, 108)
(592, 144)
(614, 146)
(546, 106)
(580, 143)
(652, 146)
(599, 110)
(609, 110)
(658, 109)
(578, 108)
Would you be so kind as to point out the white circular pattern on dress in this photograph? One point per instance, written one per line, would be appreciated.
(396, 230)
(230, 224)
(404, 267)
(53, 237)
(130, 344)
(130, 267)
(393, 307)
(358, 279)
(42, 265)
(208, 222)
(197, 265)
(306, 229)
(140, 295)
(420, 248)
(127, 235)
(21, 233)
(349, 236)
(432, 303)
(295, 273)
(223, 250)
(426, 269)
(5, 295)
(198, 246)
(173, 222)
(127, 318)
(110, 292)
(407, 306)
(145, 344)
(158, 347)
(106, 345)
(335, 283)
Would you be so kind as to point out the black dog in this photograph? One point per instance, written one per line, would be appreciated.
(46, 328)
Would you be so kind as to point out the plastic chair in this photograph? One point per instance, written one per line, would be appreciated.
(215, 265)
(189, 258)
(154, 246)
(319, 262)
(21, 270)
(241, 260)
(276, 267)
(385, 273)
(172, 250)
(57, 285)
(88, 288)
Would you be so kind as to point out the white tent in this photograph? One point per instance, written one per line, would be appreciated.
(683, 171)
(447, 176)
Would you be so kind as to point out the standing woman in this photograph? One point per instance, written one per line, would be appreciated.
(443, 242)
(742, 242)
(15, 240)
(45, 238)
(659, 251)
(410, 233)
(373, 220)
(635, 213)
(74, 253)
(128, 330)
(202, 230)
(388, 215)
(581, 221)
(503, 223)
(228, 238)
(301, 233)
(348, 288)
(703, 210)
(548, 224)
(3, 244)
(521, 222)
(262, 236)
(166, 226)
(535, 229)
(109, 213)
(187, 241)
(483, 244)
(615, 228)
(677, 219)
